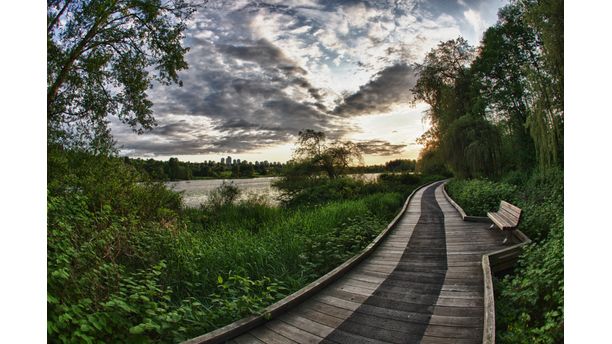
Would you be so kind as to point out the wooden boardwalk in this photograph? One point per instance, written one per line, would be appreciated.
(423, 284)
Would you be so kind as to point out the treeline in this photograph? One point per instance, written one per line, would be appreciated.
(497, 107)
(174, 169)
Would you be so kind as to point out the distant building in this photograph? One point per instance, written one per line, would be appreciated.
(238, 161)
(222, 161)
(228, 160)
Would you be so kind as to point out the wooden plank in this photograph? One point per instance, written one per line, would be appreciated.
(511, 207)
(293, 333)
(269, 337)
(247, 338)
(339, 311)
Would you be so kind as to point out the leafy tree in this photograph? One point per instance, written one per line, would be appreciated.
(472, 147)
(315, 154)
(520, 71)
(438, 75)
(102, 56)
(459, 133)
(500, 72)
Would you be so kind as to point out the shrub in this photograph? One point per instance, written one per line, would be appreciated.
(225, 194)
(479, 196)
(239, 296)
(332, 248)
(530, 301)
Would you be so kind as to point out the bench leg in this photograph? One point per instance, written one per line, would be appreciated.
(506, 238)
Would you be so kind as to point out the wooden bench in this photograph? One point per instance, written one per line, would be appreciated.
(506, 218)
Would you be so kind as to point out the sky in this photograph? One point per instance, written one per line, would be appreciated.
(261, 71)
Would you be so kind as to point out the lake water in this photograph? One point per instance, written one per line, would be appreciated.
(196, 192)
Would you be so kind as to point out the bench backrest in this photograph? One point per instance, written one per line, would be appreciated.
(509, 211)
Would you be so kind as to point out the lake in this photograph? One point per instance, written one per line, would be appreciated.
(196, 192)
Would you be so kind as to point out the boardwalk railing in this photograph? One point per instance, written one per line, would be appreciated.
(492, 262)
(243, 325)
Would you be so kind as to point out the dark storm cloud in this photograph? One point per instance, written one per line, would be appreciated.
(380, 147)
(389, 87)
(264, 54)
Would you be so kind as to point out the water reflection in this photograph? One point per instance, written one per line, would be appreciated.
(195, 192)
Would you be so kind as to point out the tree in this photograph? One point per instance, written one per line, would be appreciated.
(520, 70)
(405, 165)
(314, 154)
(102, 57)
(439, 76)
(460, 136)
(502, 77)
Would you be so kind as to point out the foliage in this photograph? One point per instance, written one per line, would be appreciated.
(478, 196)
(313, 154)
(240, 296)
(530, 302)
(472, 147)
(224, 195)
(513, 81)
(174, 169)
(401, 165)
(431, 162)
(336, 246)
(102, 57)
(300, 192)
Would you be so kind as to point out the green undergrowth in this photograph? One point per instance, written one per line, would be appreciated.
(126, 263)
(529, 301)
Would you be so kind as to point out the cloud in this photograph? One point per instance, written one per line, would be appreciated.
(259, 72)
(380, 147)
(473, 17)
(389, 87)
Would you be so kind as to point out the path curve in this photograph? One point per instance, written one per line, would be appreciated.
(422, 284)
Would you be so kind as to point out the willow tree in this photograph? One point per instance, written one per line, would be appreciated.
(543, 21)
(438, 75)
(102, 57)
(500, 72)
(316, 154)
(446, 83)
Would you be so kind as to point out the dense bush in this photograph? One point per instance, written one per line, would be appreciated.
(529, 303)
(225, 194)
(334, 247)
(312, 191)
(479, 196)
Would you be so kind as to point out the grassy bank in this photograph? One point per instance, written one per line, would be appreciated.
(529, 302)
(126, 263)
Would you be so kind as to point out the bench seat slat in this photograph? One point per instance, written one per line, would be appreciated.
(510, 208)
(500, 221)
(511, 218)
